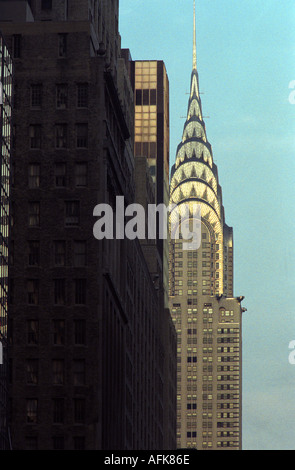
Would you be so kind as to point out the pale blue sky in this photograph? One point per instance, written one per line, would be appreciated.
(246, 60)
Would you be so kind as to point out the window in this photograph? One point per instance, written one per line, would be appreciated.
(16, 46)
(79, 443)
(61, 136)
(62, 96)
(81, 174)
(79, 410)
(60, 253)
(72, 213)
(82, 135)
(79, 372)
(60, 175)
(80, 331)
(58, 410)
(58, 371)
(31, 443)
(34, 214)
(59, 291)
(35, 136)
(33, 332)
(32, 371)
(32, 410)
(58, 443)
(82, 95)
(34, 252)
(59, 332)
(80, 253)
(34, 175)
(80, 291)
(62, 45)
(36, 96)
(33, 291)
(46, 4)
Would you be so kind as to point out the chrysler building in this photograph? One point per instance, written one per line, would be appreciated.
(207, 316)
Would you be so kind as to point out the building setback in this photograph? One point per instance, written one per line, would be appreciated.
(208, 318)
(6, 82)
(88, 335)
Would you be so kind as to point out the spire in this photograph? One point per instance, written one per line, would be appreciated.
(195, 42)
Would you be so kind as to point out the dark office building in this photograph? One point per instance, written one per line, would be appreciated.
(87, 333)
(6, 73)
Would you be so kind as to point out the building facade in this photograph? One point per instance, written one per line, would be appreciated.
(6, 83)
(208, 318)
(87, 334)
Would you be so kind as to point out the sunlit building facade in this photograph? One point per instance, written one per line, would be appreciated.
(206, 314)
(5, 131)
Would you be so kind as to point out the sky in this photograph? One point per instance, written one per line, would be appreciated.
(246, 62)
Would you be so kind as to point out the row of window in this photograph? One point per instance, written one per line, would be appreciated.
(58, 332)
(60, 293)
(58, 442)
(62, 45)
(60, 175)
(71, 210)
(32, 368)
(58, 410)
(61, 136)
(62, 94)
(60, 251)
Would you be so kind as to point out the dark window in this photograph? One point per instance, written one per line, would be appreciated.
(35, 136)
(79, 410)
(81, 174)
(16, 46)
(58, 443)
(79, 372)
(34, 253)
(33, 291)
(58, 371)
(34, 214)
(32, 411)
(82, 135)
(80, 253)
(59, 291)
(60, 253)
(82, 95)
(34, 175)
(79, 443)
(62, 45)
(60, 174)
(62, 96)
(72, 213)
(59, 332)
(145, 98)
(61, 136)
(46, 4)
(80, 291)
(58, 410)
(138, 97)
(32, 443)
(33, 331)
(36, 96)
(32, 371)
(80, 331)
(153, 97)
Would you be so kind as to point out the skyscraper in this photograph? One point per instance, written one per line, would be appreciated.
(208, 318)
(6, 74)
(87, 338)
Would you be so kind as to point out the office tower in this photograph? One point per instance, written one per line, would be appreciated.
(6, 76)
(151, 150)
(87, 347)
(208, 318)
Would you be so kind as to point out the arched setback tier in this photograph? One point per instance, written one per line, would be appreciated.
(194, 170)
(212, 226)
